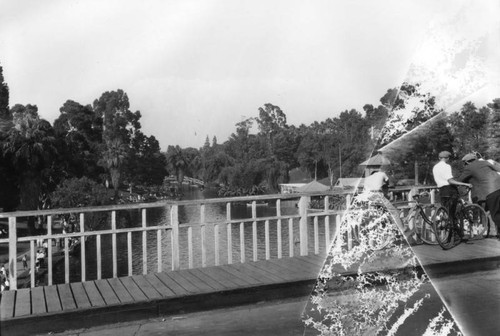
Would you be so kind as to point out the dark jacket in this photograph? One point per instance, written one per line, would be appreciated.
(484, 179)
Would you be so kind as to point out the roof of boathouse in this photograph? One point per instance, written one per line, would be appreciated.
(313, 186)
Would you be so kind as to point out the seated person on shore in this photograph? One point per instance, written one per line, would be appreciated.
(40, 257)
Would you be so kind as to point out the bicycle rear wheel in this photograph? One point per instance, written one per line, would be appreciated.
(443, 228)
(474, 222)
(422, 227)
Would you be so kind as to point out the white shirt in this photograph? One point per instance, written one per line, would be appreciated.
(375, 181)
(442, 173)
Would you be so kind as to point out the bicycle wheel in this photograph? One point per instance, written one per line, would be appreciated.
(375, 228)
(423, 226)
(382, 233)
(474, 222)
(443, 228)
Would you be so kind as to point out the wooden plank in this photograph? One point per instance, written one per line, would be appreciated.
(172, 284)
(66, 297)
(225, 278)
(23, 302)
(293, 264)
(276, 272)
(247, 274)
(120, 290)
(201, 286)
(288, 270)
(146, 287)
(38, 305)
(314, 265)
(7, 304)
(183, 282)
(159, 286)
(107, 292)
(233, 279)
(209, 280)
(133, 289)
(52, 299)
(81, 299)
(259, 272)
(93, 294)
(297, 267)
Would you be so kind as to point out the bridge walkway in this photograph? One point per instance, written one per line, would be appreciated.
(78, 305)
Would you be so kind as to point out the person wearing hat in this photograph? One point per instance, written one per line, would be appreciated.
(483, 175)
(446, 183)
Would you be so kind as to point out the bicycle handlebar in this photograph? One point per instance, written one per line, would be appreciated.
(422, 194)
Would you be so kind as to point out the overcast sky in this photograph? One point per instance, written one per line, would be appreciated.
(196, 68)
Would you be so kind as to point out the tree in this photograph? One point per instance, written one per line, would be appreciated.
(146, 165)
(423, 149)
(271, 121)
(30, 146)
(79, 192)
(82, 192)
(113, 158)
(469, 127)
(119, 128)
(4, 99)
(493, 131)
(118, 121)
(309, 152)
(8, 174)
(176, 162)
(81, 133)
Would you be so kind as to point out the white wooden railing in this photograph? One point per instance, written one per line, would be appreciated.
(299, 231)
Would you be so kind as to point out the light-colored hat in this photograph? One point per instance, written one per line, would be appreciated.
(469, 157)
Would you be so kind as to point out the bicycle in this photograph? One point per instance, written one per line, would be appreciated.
(471, 223)
(379, 228)
(374, 225)
(421, 224)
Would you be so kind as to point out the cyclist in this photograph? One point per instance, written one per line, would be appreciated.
(483, 176)
(447, 184)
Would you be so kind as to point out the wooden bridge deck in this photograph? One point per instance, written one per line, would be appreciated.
(77, 305)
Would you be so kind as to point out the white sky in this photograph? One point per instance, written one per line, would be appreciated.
(196, 68)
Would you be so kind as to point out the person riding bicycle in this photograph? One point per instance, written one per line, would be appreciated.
(486, 181)
(447, 184)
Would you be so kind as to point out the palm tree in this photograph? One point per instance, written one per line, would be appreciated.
(30, 144)
(176, 162)
(113, 158)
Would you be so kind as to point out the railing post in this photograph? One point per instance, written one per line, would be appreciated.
(113, 243)
(49, 251)
(303, 203)
(229, 234)
(203, 236)
(174, 221)
(82, 248)
(144, 242)
(12, 253)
